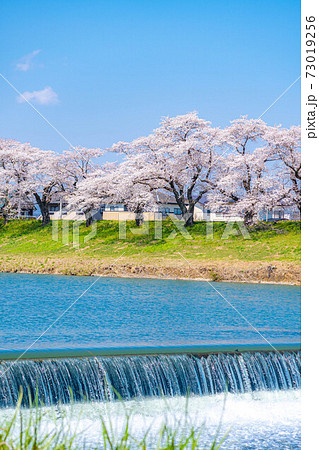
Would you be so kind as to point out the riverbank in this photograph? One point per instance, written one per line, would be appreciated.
(234, 271)
(270, 255)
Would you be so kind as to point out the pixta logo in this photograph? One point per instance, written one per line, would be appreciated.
(73, 237)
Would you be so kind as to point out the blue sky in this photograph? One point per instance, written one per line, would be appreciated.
(105, 71)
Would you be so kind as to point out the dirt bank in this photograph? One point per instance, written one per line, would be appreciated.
(235, 271)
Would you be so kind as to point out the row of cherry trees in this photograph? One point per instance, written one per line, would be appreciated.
(241, 169)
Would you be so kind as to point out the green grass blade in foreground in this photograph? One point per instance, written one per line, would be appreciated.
(32, 432)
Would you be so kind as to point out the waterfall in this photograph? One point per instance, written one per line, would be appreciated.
(108, 378)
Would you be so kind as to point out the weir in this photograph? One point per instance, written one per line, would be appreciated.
(200, 350)
(109, 377)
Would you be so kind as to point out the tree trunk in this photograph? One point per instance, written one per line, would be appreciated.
(88, 218)
(248, 218)
(187, 212)
(5, 209)
(189, 216)
(44, 208)
(5, 214)
(5, 217)
(139, 216)
(297, 191)
(189, 220)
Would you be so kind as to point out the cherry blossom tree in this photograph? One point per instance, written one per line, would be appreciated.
(5, 177)
(29, 172)
(179, 157)
(44, 180)
(111, 184)
(75, 165)
(91, 192)
(15, 161)
(124, 187)
(241, 169)
(285, 144)
(244, 184)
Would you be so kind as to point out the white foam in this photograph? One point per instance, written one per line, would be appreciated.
(260, 420)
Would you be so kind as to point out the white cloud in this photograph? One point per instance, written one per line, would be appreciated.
(45, 97)
(25, 63)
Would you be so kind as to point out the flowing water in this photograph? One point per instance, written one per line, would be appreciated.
(105, 379)
(263, 395)
(263, 420)
(142, 312)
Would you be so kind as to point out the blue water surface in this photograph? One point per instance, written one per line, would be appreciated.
(122, 311)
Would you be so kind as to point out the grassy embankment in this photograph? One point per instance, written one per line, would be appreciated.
(272, 254)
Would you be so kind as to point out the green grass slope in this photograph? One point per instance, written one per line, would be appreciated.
(267, 252)
(275, 241)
